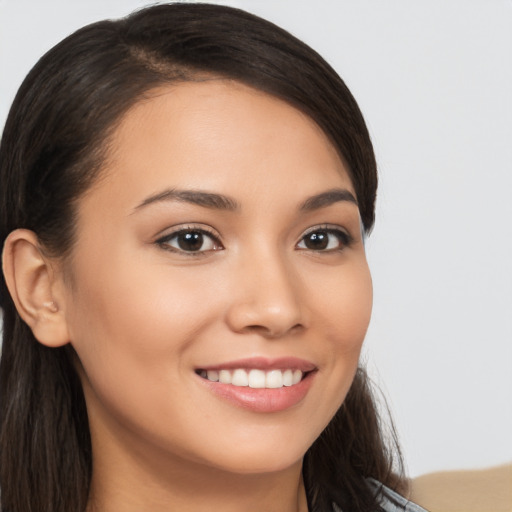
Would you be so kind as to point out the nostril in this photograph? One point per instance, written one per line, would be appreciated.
(271, 332)
(269, 317)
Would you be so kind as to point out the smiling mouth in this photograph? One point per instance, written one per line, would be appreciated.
(255, 378)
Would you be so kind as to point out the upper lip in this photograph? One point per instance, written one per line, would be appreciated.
(264, 363)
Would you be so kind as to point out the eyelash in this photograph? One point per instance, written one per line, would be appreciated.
(344, 240)
(163, 242)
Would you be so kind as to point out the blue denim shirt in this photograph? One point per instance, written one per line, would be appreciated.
(390, 501)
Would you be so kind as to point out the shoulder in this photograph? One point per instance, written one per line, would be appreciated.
(389, 501)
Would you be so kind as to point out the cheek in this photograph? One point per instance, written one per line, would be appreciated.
(345, 316)
(344, 305)
(133, 331)
(133, 320)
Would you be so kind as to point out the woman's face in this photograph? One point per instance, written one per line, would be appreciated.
(223, 241)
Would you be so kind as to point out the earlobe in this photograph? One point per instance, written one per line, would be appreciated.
(32, 283)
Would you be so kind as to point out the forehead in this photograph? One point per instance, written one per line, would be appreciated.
(219, 134)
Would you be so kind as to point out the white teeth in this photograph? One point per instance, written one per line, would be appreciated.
(240, 378)
(225, 377)
(212, 375)
(256, 379)
(259, 379)
(274, 379)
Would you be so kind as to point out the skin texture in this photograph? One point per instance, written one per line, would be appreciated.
(143, 315)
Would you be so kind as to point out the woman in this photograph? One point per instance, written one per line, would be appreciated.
(182, 327)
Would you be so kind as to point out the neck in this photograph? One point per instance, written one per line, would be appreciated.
(140, 480)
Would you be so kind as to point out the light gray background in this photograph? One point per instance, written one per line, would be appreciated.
(434, 80)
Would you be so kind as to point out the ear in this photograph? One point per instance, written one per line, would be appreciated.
(34, 287)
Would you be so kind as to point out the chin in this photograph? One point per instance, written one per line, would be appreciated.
(271, 454)
(260, 464)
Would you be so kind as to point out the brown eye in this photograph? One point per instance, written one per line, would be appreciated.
(324, 240)
(317, 241)
(190, 240)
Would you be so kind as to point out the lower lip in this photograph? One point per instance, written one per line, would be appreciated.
(262, 399)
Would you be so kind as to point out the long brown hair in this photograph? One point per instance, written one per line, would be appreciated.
(52, 149)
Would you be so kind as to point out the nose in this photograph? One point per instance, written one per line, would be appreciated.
(266, 298)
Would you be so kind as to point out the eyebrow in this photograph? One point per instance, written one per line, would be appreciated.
(327, 198)
(205, 199)
(221, 202)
